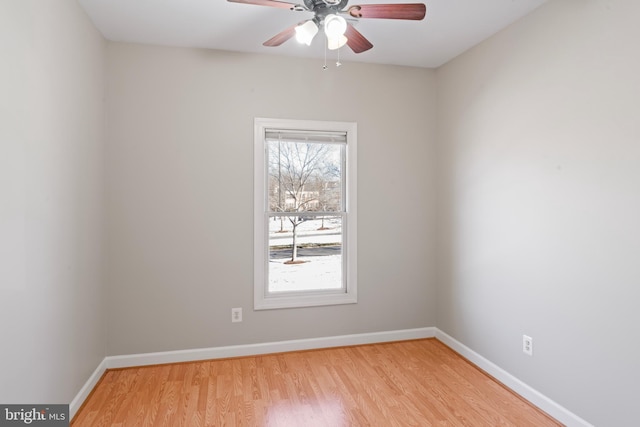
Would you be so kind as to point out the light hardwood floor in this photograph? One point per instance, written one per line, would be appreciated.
(409, 383)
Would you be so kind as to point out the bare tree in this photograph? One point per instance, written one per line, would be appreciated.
(276, 197)
(295, 171)
(329, 190)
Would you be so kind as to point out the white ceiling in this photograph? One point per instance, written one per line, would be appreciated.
(450, 27)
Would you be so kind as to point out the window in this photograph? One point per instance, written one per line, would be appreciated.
(304, 213)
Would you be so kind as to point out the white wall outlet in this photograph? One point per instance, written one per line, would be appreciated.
(527, 345)
(236, 314)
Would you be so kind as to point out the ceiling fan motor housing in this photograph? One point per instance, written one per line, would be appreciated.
(323, 8)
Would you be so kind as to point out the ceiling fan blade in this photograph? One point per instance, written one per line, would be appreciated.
(272, 3)
(356, 41)
(281, 37)
(415, 11)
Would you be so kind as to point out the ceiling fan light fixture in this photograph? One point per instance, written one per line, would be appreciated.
(306, 32)
(336, 42)
(334, 26)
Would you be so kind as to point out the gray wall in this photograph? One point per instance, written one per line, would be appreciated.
(539, 204)
(52, 326)
(180, 194)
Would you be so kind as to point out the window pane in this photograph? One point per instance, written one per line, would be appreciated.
(316, 264)
(305, 177)
(304, 181)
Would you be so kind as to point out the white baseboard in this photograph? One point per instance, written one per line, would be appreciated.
(265, 348)
(86, 389)
(535, 397)
(127, 361)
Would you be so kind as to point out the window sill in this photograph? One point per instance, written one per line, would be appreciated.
(294, 301)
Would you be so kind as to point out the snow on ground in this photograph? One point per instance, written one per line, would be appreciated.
(305, 227)
(323, 272)
(318, 272)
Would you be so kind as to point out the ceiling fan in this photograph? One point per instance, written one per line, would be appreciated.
(328, 16)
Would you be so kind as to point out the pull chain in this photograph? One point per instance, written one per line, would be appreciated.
(324, 67)
(326, 44)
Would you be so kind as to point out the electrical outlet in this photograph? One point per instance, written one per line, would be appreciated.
(527, 345)
(236, 315)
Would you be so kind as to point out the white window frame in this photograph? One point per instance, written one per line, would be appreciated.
(263, 300)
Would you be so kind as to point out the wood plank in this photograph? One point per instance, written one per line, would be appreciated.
(408, 383)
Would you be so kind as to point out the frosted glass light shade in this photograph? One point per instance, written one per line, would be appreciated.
(306, 32)
(336, 42)
(334, 26)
